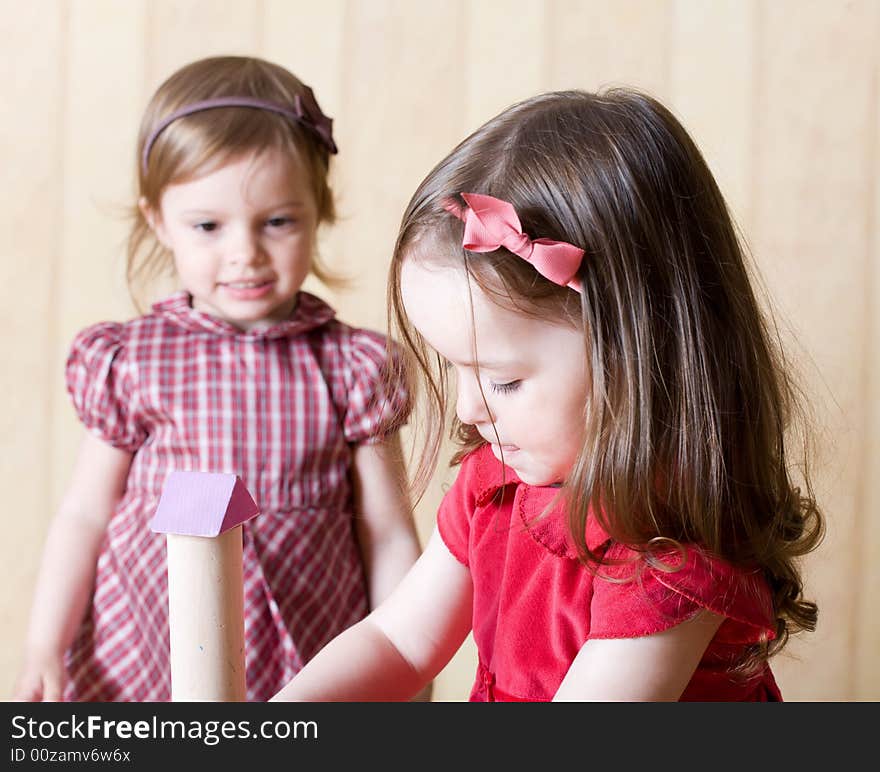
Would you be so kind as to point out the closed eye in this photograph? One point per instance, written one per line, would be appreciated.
(279, 222)
(505, 388)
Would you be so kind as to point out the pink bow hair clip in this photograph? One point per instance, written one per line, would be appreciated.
(490, 223)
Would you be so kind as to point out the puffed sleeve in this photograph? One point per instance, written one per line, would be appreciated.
(378, 401)
(641, 598)
(100, 385)
(457, 509)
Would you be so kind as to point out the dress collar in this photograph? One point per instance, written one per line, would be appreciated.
(310, 312)
(547, 526)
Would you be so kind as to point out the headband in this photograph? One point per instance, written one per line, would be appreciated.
(305, 111)
(490, 223)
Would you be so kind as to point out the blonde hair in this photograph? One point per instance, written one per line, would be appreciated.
(203, 141)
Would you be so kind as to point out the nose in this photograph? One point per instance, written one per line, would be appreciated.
(470, 404)
(245, 247)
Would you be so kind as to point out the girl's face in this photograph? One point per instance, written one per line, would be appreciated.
(242, 237)
(532, 372)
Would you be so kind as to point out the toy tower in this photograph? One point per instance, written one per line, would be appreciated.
(201, 514)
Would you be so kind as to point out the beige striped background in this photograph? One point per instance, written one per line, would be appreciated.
(782, 95)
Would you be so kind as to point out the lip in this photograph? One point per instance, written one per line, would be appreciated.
(493, 441)
(248, 290)
(508, 450)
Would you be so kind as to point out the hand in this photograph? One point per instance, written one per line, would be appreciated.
(42, 679)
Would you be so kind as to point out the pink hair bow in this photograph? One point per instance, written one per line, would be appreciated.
(490, 223)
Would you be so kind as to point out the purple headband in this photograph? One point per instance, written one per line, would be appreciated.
(305, 111)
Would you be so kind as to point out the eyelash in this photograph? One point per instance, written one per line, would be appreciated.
(498, 388)
(209, 226)
(505, 388)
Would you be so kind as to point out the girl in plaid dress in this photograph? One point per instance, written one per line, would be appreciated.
(239, 372)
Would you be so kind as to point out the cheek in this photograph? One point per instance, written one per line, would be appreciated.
(193, 271)
(561, 423)
(297, 254)
(298, 269)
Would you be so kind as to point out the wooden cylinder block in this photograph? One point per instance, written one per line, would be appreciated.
(206, 617)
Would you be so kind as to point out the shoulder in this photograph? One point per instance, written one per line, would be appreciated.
(666, 586)
(319, 318)
(102, 380)
(100, 338)
(358, 356)
(369, 346)
(740, 593)
(468, 492)
(355, 342)
(98, 334)
(365, 378)
(119, 337)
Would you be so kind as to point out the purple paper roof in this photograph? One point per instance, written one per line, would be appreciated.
(202, 504)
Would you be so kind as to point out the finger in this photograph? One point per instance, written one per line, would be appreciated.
(29, 690)
(51, 690)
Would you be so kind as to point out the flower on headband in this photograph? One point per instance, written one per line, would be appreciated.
(491, 223)
(307, 107)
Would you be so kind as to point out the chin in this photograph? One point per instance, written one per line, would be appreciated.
(529, 472)
(536, 477)
(538, 482)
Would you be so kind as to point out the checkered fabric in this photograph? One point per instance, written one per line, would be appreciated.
(281, 408)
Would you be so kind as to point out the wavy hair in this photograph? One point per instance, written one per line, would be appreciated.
(691, 400)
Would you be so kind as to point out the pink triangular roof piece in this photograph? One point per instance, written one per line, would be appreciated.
(202, 504)
(241, 507)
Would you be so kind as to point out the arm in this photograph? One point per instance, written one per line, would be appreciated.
(402, 644)
(384, 524)
(654, 667)
(67, 570)
(386, 533)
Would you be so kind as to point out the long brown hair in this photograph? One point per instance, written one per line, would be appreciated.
(691, 399)
(204, 141)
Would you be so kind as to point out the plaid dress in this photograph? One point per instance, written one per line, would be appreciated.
(281, 408)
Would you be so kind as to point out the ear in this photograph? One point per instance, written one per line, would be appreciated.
(154, 220)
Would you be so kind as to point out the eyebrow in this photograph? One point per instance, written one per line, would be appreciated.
(272, 208)
(292, 204)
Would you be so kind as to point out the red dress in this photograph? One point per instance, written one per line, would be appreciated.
(282, 408)
(535, 603)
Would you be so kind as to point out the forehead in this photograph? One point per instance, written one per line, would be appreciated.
(249, 176)
(463, 324)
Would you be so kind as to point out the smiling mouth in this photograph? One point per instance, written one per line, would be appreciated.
(248, 291)
(246, 284)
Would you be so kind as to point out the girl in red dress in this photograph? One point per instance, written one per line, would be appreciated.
(624, 524)
(239, 372)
